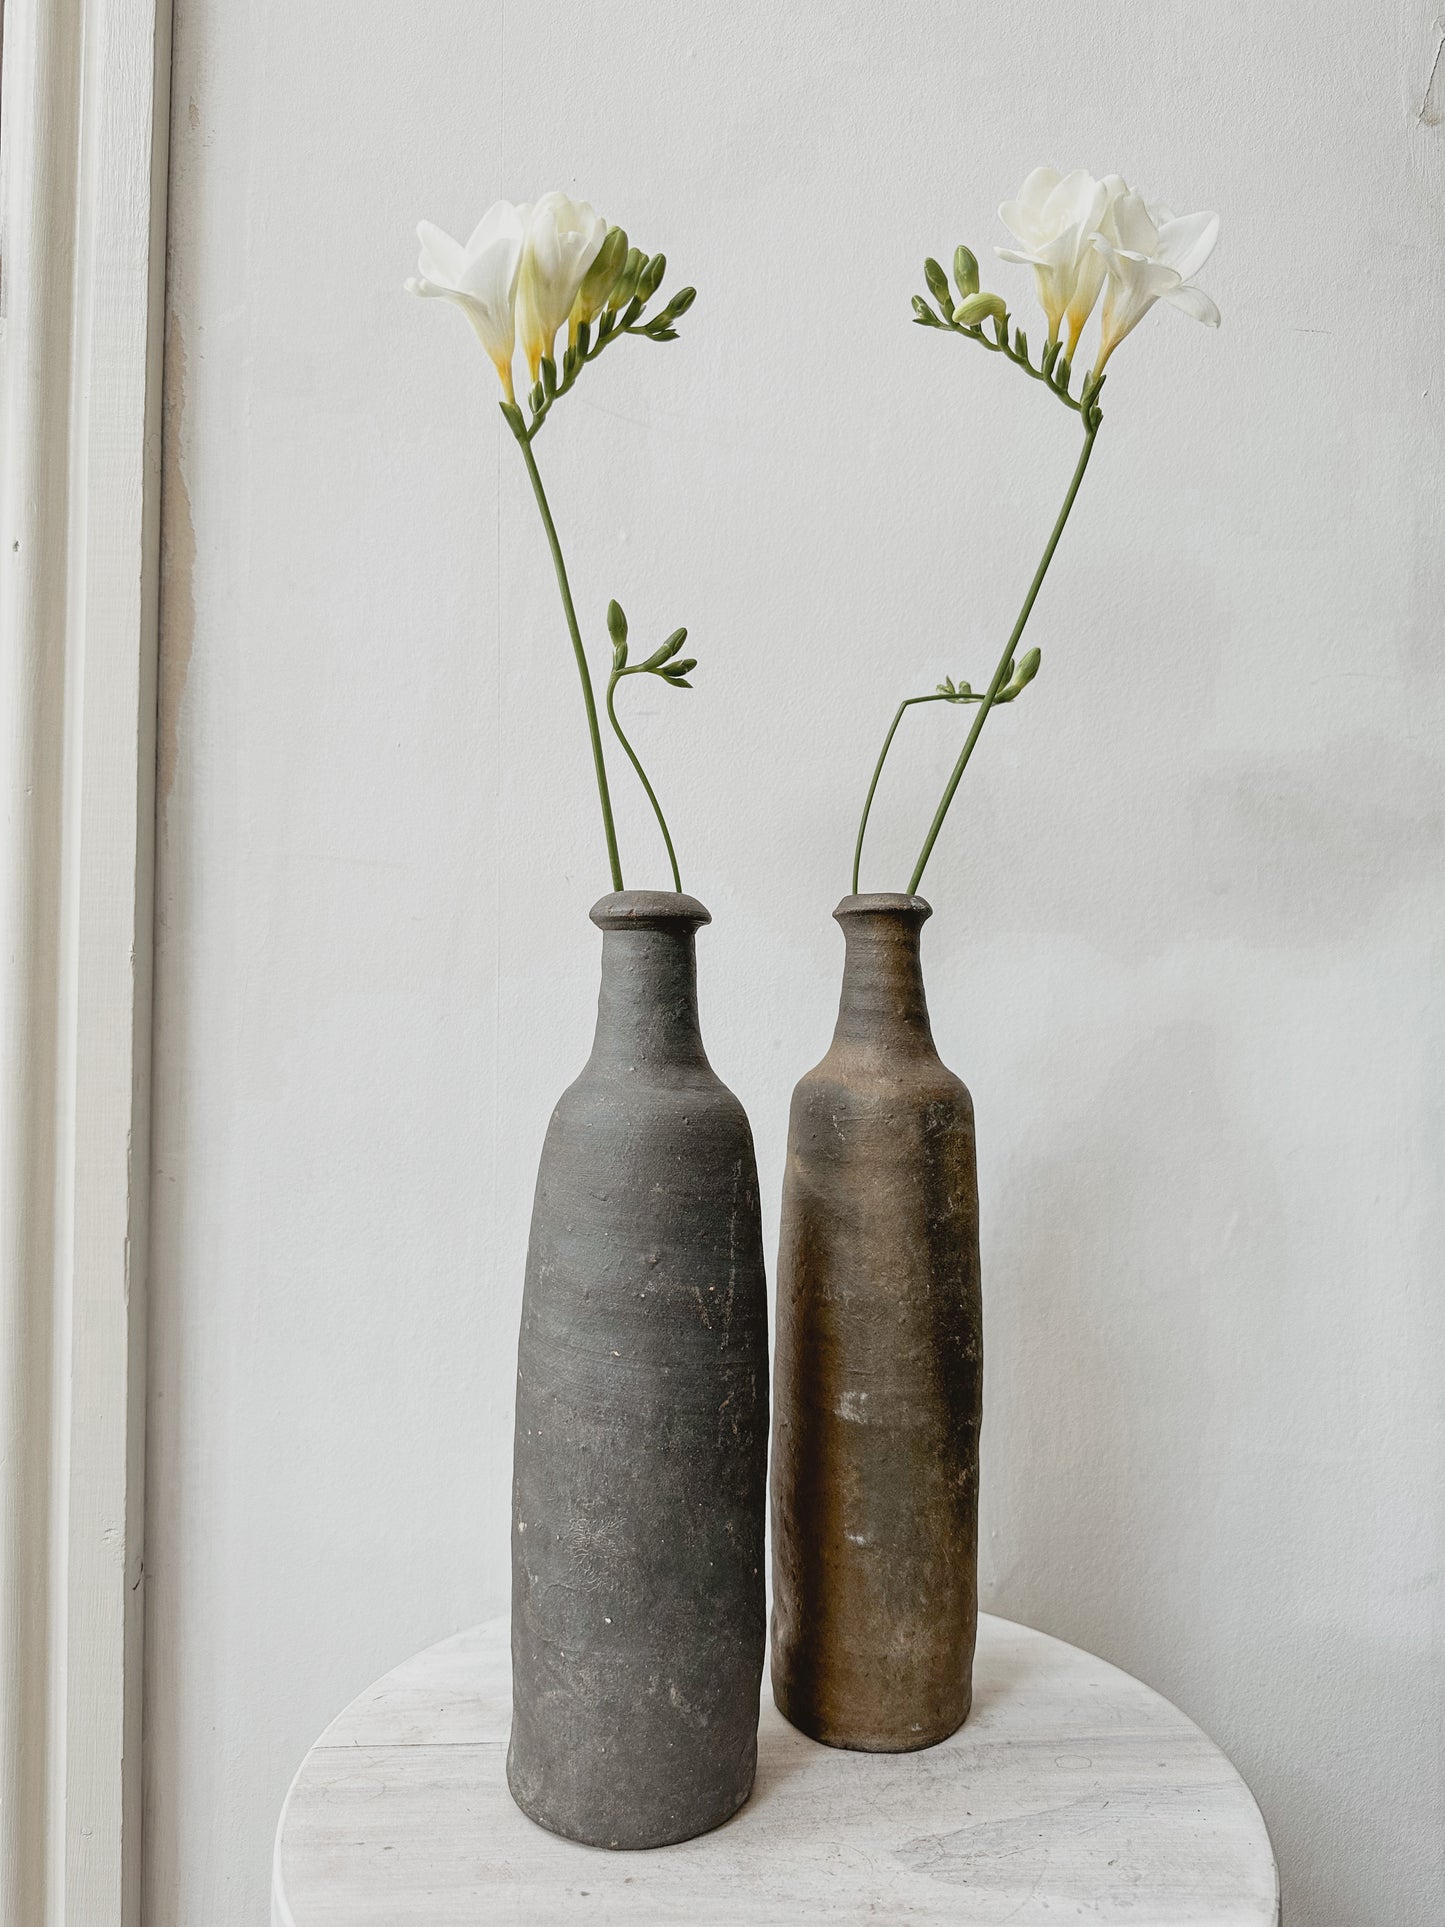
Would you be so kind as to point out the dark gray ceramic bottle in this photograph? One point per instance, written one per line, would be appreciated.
(640, 1462)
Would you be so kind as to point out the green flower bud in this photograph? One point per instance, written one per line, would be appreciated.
(601, 277)
(668, 650)
(625, 287)
(650, 280)
(980, 308)
(965, 271)
(938, 286)
(1026, 670)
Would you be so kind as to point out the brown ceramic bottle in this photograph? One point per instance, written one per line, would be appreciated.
(878, 1368)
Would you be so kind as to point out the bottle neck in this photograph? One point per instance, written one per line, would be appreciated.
(883, 1000)
(647, 1002)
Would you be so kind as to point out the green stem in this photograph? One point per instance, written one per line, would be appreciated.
(612, 326)
(907, 703)
(632, 756)
(582, 670)
(1001, 674)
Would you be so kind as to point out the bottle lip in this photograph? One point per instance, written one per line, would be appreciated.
(649, 910)
(886, 903)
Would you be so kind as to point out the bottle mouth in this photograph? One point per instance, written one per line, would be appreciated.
(649, 910)
(885, 903)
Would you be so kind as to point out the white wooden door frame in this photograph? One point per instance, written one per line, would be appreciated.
(83, 138)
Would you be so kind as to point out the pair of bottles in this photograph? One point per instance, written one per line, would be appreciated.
(640, 1467)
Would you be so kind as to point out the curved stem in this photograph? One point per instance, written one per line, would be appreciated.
(632, 756)
(1000, 675)
(907, 703)
(581, 348)
(588, 698)
(1055, 369)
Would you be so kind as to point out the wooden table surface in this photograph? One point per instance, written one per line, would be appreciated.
(1073, 1793)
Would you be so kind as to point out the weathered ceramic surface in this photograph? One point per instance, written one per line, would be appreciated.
(641, 1434)
(878, 1372)
(1074, 1793)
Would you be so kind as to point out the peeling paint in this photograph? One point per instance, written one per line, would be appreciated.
(1432, 103)
(178, 563)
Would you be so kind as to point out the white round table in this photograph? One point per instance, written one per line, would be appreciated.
(1073, 1793)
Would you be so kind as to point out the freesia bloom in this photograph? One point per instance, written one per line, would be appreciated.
(480, 277)
(1056, 219)
(1152, 255)
(563, 240)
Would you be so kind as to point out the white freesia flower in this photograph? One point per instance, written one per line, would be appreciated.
(480, 277)
(563, 240)
(1056, 219)
(1152, 255)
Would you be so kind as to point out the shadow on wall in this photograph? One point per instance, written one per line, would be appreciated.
(1313, 849)
(1110, 1356)
(1306, 848)
(1158, 1398)
(1369, 1686)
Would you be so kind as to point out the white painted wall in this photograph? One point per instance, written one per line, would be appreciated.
(1189, 931)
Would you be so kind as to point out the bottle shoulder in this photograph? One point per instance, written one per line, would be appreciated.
(630, 1093)
(865, 1075)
